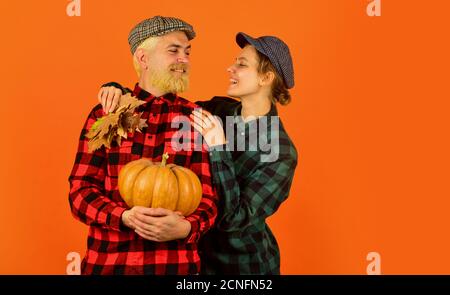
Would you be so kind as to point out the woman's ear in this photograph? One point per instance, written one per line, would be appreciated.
(267, 78)
(141, 56)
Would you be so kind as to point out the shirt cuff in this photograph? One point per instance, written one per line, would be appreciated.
(219, 153)
(115, 222)
(194, 235)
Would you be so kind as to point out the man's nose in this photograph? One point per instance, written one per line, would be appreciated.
(183, 58)
(230, 69)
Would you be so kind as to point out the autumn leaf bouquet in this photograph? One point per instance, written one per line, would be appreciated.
(115, 126)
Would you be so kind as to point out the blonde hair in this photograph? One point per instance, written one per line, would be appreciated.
(148, 44)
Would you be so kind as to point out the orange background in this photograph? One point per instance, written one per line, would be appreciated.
(369, 118)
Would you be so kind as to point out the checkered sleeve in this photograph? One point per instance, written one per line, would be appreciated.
(259, 198)
(204, 217)
(87, 198)
(124, 90)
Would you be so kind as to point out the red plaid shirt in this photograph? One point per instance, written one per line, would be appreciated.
(94, 198)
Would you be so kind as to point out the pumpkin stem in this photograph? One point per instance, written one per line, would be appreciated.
(164, 159)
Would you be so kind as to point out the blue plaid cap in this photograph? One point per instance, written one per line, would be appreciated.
(276, 50)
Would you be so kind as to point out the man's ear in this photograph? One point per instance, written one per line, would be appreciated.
(141, 56)
(267, 78)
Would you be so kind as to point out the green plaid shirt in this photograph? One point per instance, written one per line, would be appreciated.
(250, 190)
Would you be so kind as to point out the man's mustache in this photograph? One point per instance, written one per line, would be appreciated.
(179, 66)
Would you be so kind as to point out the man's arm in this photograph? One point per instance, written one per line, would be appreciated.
(87, 198)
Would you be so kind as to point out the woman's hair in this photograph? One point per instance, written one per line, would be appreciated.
(279, 91)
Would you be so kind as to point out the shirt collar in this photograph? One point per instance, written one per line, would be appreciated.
(147, 96)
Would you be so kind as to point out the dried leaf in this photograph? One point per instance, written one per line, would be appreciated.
(116, 125)
(121, 132)
(130, 102)
(96, 144)
(96, 124)
(103, 126)
(119, 140)
(142, 124)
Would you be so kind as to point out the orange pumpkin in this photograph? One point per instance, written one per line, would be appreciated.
(157, 185)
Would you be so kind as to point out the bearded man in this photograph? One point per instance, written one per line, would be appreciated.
(139, 240)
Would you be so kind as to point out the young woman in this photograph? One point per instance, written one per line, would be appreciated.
(253, 168)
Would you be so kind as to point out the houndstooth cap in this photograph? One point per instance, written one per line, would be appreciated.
(157, 26)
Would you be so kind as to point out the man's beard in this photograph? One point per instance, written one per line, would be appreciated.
(166, 81)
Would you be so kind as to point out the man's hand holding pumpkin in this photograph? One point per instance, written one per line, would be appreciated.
(157, 224)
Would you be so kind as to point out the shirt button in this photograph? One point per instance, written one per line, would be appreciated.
(242, 133)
